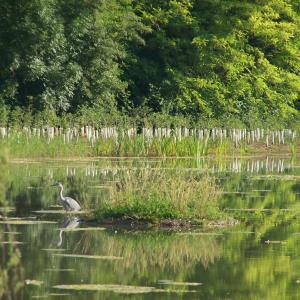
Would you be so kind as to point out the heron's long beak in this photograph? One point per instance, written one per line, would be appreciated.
(54, 184)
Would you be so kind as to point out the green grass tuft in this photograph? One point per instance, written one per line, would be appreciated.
(148, 194)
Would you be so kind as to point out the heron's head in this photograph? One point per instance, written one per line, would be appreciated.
(57, 184)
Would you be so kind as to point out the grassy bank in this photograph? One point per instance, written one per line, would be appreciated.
(20, 147)
(155, 196)
(189, 143)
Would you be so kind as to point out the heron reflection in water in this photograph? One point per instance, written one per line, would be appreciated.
(68, 203)
(68, 223)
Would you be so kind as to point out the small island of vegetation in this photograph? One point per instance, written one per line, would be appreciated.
(164, 198)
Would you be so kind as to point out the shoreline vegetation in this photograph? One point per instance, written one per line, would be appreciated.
(90, 141)
(161, 197)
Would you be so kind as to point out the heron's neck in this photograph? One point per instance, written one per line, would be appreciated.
(60, 238)
(61, 194)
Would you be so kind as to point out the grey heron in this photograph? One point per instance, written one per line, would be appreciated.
(68, 223)
(68, 203)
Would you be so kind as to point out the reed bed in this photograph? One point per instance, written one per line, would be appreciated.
(149, 194)
(112, 141)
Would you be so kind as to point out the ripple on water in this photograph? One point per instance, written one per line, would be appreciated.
(119, 289)
(89, 256)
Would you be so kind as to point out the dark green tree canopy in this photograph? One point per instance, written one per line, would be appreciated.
(220, 58)
(208, 59)
(64, 54)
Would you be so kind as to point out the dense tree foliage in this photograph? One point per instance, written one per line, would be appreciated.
(220, 58)
(208, 59)
(61, 55)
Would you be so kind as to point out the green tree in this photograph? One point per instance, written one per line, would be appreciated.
(219, 59)
(63, 54)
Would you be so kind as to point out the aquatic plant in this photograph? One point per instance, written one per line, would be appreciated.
(150, 194)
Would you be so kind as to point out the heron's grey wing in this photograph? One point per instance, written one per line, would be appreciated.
(74, 223)
(70, 222)
(73, 204)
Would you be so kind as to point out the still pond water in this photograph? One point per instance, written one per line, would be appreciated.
(51, 256)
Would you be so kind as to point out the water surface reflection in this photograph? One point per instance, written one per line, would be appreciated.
(257, 260)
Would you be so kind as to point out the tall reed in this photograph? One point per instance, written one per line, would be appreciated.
(150, 194)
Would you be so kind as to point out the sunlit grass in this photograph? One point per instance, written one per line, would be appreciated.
(148, 194)
(20, 145)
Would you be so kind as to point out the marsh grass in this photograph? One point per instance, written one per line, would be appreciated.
(20, 145)
(152, 195)
(141, 146)
(293, 147)
(224, 147)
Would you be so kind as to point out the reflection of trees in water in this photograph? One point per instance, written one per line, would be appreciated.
(152, 253)
(148, 256)
(259, 192)
(252, 268)
(10, 255)
(10, 267)
(275, 194)
(240, 263)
